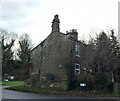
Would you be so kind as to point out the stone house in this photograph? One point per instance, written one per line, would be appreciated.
(58, 60)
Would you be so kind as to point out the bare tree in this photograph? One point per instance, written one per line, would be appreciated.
(7, 41)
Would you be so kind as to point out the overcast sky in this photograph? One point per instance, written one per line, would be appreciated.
(35, 16)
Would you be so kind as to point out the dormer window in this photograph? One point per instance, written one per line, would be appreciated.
(77, 50)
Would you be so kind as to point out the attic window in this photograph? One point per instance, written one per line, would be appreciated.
(77, 69)
(77, 50)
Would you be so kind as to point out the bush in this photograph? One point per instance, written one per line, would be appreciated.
(101, 81)
(110, 87)
(90, 85)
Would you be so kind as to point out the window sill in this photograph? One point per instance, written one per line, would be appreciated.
(77, 55)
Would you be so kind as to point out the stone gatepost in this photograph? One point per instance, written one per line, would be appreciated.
(116, 88)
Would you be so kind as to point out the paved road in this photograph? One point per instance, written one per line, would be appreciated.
(10, 94)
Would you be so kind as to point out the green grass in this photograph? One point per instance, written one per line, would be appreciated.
(116, 94)
(44, 91)
(11, 82)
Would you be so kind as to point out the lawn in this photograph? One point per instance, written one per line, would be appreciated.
(44, 91)
(11, 82)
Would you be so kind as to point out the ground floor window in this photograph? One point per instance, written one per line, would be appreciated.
(77, 68)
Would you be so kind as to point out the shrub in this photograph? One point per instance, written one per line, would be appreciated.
(101, 81)
(110, 87)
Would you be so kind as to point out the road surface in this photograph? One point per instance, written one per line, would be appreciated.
(10, 94)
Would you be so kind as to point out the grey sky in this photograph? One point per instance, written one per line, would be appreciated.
(119, 21)
(14, 14)
(35, 16)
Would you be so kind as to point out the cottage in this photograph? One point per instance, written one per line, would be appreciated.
(58, 60)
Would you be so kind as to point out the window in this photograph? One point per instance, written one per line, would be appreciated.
(77, 69)
(84, 69)
(77, 50)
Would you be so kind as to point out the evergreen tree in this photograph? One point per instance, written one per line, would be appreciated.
(24, 52)
(115, 47)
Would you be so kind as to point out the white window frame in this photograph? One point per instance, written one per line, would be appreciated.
(77, 69)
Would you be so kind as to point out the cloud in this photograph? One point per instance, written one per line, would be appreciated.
(35, 16)
(16, 14)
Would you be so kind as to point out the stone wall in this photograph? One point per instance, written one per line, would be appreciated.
(51, 57)
(54, 56)
(54, 59)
